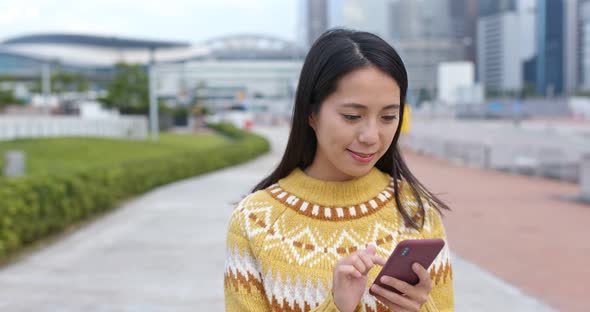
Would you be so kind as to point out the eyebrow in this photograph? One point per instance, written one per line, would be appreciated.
(360, 106)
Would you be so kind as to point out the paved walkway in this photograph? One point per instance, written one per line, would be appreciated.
(522, 229)
(165, 251)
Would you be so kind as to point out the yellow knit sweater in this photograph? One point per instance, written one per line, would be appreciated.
(283, 242)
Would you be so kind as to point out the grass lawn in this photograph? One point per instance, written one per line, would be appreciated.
(62, 155)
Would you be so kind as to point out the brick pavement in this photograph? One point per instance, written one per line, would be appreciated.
(519, 228)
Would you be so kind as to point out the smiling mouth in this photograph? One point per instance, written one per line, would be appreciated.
(362, 154)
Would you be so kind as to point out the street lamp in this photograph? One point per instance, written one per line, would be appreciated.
(154, 126)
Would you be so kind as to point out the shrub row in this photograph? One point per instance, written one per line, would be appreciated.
(35, 207)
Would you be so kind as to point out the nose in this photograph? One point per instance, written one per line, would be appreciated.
(369, 134)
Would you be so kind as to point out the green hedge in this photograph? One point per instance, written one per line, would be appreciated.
(34, 207)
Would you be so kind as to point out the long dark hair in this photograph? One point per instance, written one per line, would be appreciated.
(334, 54)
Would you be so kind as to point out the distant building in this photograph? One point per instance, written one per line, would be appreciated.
(371, 16)
(584, 46)
(550, 47)
(94, 56)
(464, 15)
(507, 45)
(317, 19)
(493, 7)
(453, 79)
(424, 35)
(213, 71)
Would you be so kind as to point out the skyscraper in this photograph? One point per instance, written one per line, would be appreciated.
(584, 45)
(498, 52)
(571, 45)
(361, 15)
(550, 47)
(316, 19)
(464, 15)
(423, 34)
(506, 45)
(492, 7)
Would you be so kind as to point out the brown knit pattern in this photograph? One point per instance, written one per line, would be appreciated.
(332, 213)
(249, 283)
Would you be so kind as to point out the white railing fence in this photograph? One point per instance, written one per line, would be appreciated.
(16, 127)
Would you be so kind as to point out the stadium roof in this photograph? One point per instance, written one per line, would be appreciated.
(99, 41)
(100, 51)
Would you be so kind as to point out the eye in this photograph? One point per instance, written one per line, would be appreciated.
(350, 117)
(389, 118)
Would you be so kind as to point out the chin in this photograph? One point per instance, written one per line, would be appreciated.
(357, 172)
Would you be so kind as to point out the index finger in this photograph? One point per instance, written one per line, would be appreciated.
(379, 260)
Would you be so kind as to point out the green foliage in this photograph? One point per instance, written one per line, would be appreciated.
(583, 93)
(6, 78)
(180, 112)
(68, 82)
(199, 110)
(36, 206)
(7, 98)
(129, 90)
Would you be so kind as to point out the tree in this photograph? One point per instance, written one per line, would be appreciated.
(68, 82)
(6, 78)
(7, 95)
(7, 98)
(63, 82)
(199, 112)
(128, 91)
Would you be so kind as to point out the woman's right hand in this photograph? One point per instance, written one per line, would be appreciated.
(350, 278)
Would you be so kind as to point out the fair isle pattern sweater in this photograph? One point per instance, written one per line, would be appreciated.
(283, 242)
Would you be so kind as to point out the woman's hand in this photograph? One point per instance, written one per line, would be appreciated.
(350, 278)
(413, 296)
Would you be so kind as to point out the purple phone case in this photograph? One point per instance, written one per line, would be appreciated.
(423, 251)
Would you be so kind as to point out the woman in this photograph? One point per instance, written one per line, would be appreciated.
(314, 234)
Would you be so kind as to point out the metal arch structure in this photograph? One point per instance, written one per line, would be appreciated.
(252, 47)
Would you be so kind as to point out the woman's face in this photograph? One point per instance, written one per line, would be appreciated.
(355, 125)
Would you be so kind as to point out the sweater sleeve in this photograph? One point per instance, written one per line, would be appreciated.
(243, 284)
(330, 306)
(327, 306)
(441, 271)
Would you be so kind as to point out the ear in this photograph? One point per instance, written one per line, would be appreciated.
(311, 120)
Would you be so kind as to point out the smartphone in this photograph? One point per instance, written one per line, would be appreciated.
(406, 253)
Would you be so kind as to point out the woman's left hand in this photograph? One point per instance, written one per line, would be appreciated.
(413, 296)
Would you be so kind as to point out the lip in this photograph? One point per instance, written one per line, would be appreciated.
(363, 158)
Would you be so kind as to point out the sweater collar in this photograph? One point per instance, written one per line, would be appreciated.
(335, 194)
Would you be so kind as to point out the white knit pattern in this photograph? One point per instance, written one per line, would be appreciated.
(242, 263)
(295, 292)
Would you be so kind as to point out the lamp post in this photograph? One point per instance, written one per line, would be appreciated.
(154, 126)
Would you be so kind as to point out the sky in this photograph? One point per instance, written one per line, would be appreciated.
(191, 21)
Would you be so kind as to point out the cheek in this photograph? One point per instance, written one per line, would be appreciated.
(387, 136)
(336, 135)
(337, 139)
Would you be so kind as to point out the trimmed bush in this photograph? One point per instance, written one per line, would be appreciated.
(36, 206)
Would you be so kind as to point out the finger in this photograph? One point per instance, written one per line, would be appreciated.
(367, 261)
(347, 269)
(416, 294)
(379, 260)
(371, 249)
(390, 304)
(357, 262)
(404, 302)
(425, 280)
